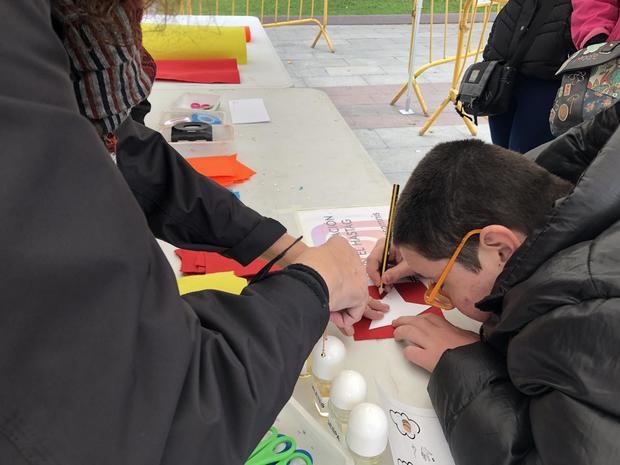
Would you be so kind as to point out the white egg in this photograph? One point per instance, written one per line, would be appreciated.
(348, 389)
(368, 430)
(327, 363)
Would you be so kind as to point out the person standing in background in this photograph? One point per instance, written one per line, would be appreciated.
(526, 124)
(595, 21)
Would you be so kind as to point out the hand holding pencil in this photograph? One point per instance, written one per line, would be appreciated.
(384, 253)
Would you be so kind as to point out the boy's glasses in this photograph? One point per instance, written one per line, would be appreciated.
(434, 294)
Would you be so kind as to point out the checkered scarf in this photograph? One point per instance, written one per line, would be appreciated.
(110, 76)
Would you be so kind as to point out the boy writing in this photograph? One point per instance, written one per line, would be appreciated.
(531, 250)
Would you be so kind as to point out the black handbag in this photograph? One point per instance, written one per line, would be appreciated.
(590, 84)
(487, 86)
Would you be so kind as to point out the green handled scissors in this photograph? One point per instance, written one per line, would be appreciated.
(278, 449)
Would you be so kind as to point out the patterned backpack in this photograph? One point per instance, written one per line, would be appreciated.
(590, 84)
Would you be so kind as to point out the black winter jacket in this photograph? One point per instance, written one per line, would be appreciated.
(544, 385)
(551, 46)
(101, 361)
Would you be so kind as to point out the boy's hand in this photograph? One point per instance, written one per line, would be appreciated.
(430, 336)
(396, 272)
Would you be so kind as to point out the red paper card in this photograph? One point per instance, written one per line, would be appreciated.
(200, 262)
(410, 292)
(215, 71)
(225, 169)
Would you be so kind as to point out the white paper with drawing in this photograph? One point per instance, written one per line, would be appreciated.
(416, 437)
(361, 226)
(398, 308)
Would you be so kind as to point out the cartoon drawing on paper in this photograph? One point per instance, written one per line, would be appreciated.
(427, 455)
(405, 425)
(416, 438)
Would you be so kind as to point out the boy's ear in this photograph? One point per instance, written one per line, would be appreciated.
(500, 241)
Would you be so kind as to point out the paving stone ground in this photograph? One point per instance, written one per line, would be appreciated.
(367, 69)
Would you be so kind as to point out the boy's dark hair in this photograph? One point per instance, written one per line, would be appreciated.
(469, 184)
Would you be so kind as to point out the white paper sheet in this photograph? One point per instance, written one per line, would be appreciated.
(416, 437)
(361, 226)
(248, 111)
(398, 308)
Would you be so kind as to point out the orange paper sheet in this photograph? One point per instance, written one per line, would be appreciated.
(225, 170)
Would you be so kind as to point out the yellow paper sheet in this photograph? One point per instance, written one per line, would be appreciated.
(227, 282)
(174, 42)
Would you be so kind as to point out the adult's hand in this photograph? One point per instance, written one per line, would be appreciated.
(375, 309)
(397, 271)
(341, 268)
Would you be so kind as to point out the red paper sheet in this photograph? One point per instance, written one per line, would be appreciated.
(225, 170)
(199, 262)
(215, 71)
(410, 292)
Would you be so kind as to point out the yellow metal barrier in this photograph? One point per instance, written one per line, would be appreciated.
(464, 50)
(285, 12)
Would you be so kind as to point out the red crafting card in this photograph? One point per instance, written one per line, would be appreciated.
(200, 262)
(223, 169)
(215, 71)
(410, 292)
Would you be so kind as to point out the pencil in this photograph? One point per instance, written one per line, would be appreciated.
(388, 234)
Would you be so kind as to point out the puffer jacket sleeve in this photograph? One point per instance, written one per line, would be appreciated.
(570, 154)
(557, 404)
(101, 361)
(184, 207)
(591, 18)
(483, 416)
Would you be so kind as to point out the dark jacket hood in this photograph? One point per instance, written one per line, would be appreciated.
(588, 156)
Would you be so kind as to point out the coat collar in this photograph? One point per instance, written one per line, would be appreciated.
(589, 209)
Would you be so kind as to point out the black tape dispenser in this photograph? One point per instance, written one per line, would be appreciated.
(192, 131)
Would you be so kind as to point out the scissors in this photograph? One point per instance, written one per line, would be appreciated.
(278, 449)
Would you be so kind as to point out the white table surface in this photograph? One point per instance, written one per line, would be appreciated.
(264, 67)
(308, 158)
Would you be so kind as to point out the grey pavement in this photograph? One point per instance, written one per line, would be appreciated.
(368, 67)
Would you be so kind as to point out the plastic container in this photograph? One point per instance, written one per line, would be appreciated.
(367, 435)
(170, 118)
(310, 435)
(348, 390)
(189, 149)
(327, 360)
(221, 132)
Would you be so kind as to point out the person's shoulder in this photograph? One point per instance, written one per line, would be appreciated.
(604, 262)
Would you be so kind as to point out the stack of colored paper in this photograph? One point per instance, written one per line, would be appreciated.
(226, 282)
(200, 262)
(202, 54)
(216, 71)
(225, 170)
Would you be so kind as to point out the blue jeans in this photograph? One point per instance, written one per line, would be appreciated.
(526, 125)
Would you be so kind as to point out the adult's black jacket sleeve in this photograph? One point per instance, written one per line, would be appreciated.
(185, 208)
(101, 361)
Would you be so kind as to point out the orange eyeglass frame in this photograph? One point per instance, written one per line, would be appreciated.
(433, 295)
